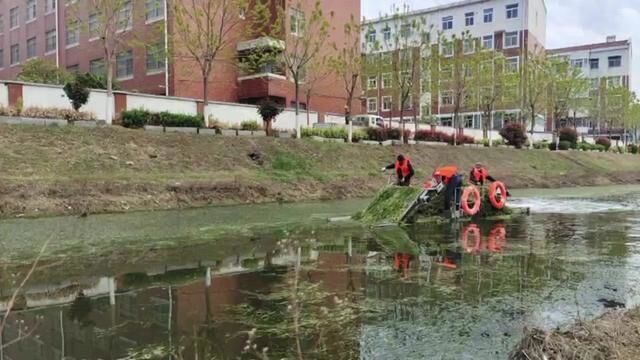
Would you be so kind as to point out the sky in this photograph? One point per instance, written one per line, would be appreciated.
(569, 22)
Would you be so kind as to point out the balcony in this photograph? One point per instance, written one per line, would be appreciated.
(261, 74)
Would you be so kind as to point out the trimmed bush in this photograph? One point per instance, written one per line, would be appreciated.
(586, 147)
(568, 134)
(514, 134)
(599, 148)
(633, 148)
(464, 139)
(541, 145)
(605, 142)
(139, 118)
(77, 92)
(335, 133)
(564, 145)
(553, 146)
(250, 125)
(134, 119)
(384, 134)
(434, 136)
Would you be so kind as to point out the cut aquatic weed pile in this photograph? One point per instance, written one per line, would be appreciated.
(388, 205)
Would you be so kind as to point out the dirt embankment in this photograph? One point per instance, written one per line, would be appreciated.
(52, 171)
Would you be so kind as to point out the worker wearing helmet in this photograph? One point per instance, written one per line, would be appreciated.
(479, 175)
(450, 176)
(404, 170)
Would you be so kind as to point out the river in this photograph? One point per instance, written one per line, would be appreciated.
(279, 281)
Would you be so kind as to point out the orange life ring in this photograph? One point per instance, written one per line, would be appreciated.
(497, 238)
(464, 201)
(474, 231)
(498, 202)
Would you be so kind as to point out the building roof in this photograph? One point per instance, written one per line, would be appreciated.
(589, 47)
(432, 9)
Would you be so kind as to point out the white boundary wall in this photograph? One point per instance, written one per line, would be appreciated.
(53, 96)
(161, 103)
(233, 114)
(4, 95)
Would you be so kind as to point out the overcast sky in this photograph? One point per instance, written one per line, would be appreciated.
(569, 22)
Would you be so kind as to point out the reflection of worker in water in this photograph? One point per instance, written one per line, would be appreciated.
(404, 170)
(449, 176)
(401, 262)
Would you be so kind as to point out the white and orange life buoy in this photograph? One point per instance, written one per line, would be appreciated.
(498, 195)
(464, 200)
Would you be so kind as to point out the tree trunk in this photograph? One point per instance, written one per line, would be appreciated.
(347, 118)
(455, 127)
(308, 102)
(415, 118)
(401, 123)
(108, 115)
(297, 95)
(533, 125)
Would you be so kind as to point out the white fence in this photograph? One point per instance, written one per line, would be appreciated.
(162, 103)
(53, 96)
(233, 114)
(4, 95)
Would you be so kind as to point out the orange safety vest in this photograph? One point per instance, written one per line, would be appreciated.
(404, 167)
(479, 174)
(447, 173)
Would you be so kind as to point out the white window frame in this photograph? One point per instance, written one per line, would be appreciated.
(618, 57)
(11, 47)
(76, 29)
(577, 63)
(127, 76)
(155, 53)
(47, 50)
(469, 18)
(450, 119)
(93, 36)
(517, 40)
(297, 21)
(512, 11)
(387, 77)
(614, 81)
(155, 6)
(597, 64)
(448, 94)
(1, 24)
(50, 6)
(35, 48)
(31, 11)
(469, 50)
(486, 37)
(372, 82)
(17, 17)
(372, 105)
(371, 37)
(447, 45)
(508, 63)
(487, 13)
(125, 14)
(386, 34)
(384, 102)
(1, 58)
(94, 61)
(447, 23)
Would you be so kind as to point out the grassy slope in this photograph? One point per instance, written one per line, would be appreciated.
(72, 170)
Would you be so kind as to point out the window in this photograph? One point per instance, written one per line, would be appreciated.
(446, 121)
(1, 58)
(1, 24)
(69, 2)
(614, 81)
(405, 30)
(468, 121)
(468, 19)
(511, 39)
(49, 6)
(469, 46)
(577, 63)
(154, 10)
(31, 10)
(73, 34)
(468, 70)
(594, 64)
(447, 49)
(512, 64)
(512, 11)
(386, 33)
(447, 23)
(488, 15)
(50, 41)
(124, 65)
(15, 54)
(385, 59)
(96, 66)
(615, 61)
(386, 81)
(404, 56)
(371, 37)
(487, 42)
(14, 18)
(125, 17)
(31, 48)
(372, 82)
(297, 22)
(155, 59)
(94, 27)
(446, 98)
(446, 72)
(372, 105)
(386, 103)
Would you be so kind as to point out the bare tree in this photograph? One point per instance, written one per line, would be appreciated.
(203, 30)
(316, 73)
(534, 79)
(347, 64)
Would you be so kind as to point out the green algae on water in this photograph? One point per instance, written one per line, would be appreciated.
(389, 205)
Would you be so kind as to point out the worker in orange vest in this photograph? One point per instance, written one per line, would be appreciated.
(479, 175)
(450, 176)
(403, 169)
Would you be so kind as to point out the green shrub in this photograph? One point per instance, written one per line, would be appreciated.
(586, 146)
(250, 125)
(633, 148)
(335, 133)
(134, 119)
(77, 92)
(498, 142)
(181, 120)
(599, 148)
(568, 134)
(564, 145)
(540, 145)
(514, 134)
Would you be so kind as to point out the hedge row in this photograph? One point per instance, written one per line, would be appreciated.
(439, 136)
(335, 133)
(139, 118)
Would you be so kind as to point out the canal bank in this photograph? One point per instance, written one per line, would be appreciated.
(57, 171)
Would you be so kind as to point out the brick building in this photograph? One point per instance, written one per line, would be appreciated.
(57, 31)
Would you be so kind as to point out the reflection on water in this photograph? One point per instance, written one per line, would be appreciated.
(451, 291)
